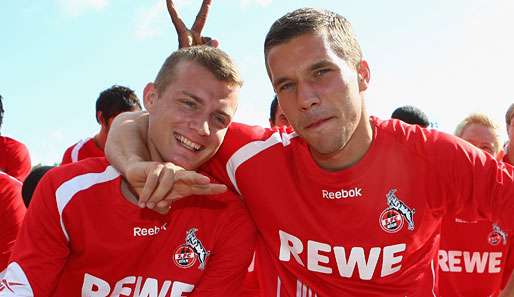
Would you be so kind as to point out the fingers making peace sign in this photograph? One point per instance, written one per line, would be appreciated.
(189, 37)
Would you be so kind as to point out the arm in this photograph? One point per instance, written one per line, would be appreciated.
(12, 212)
(41, 248)
(126, 151)
(228, 264)
(475, 183)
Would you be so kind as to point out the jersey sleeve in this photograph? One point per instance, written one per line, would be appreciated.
(240, 141)
(474, 184)
(41, 248)
(66, 158)
(18, 163)
(232, 254)
(12, 212)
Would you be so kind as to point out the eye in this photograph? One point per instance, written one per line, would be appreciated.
(189, 103)
(320, 72)
(220, 120)
(285, 87)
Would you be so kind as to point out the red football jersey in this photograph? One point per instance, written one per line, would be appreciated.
(14, 158)
(475, 258)
(81, 237)
(369, 230)
(12, 211)
(81, 150)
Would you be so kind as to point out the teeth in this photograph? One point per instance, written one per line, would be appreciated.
(188, 143)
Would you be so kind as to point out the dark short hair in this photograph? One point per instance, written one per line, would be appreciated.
(411, 115)
(273, 110)
(335, 27)
(213, 59)
(115, 100)
(1, 111)
(32, 180)
(509, 114)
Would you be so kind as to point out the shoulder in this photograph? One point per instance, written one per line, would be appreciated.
(80, 174)
(419, 139)
(12, 145)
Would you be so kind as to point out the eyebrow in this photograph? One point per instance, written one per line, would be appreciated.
(317, 65)
(201, 101)
(196, 98)
(321, 64)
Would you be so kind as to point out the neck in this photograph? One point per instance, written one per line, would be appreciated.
(352, 152)
(100, 138)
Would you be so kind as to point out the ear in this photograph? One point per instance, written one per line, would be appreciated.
(150, 96)
(100, 118)
(364, 75)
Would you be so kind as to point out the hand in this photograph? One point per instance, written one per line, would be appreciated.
(159, 184)
(190, 37)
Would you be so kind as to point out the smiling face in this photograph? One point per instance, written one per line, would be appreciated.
(320, 94)
(189, 119)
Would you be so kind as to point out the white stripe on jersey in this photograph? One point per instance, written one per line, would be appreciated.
(278, 286)
(68, 189)
(76, 149)
(433, 277)
(15, 282)
(303, 291)
(251, 149)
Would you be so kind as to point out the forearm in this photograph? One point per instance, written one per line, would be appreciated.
(126, 142)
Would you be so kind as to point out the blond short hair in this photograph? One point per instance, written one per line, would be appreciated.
(481, 119)
(213, 59)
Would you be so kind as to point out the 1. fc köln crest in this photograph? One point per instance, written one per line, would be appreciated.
(497, 236)
(393, 217)
(188, 253)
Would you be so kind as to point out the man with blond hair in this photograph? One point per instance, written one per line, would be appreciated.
(84, 234)
(475, 257)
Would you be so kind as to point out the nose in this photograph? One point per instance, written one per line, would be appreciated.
(201, 126)
(307, 96)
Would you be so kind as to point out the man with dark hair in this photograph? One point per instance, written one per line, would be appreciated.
(411, 115)
(110, 103)
(346, 204)
(276, 116)
(14, 155)
(32, 180)
(84, 234)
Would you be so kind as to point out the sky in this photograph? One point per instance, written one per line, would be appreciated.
(449, 58)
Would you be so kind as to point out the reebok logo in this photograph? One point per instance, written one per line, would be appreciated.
(352, 193)
(151, 231)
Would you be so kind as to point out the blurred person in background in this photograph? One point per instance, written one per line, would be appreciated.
(508, 156)
(14, 155)
(411, 115)
(277, 118)
(110, 103)
(475, 256)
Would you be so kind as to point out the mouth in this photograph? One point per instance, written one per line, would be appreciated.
(187, 143)
(318, 123)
